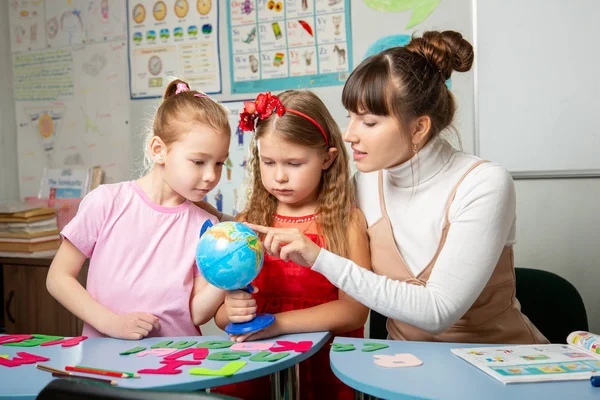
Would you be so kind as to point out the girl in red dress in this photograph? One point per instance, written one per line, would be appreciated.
(300, 179)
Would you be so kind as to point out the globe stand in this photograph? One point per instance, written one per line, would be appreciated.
(260, 322)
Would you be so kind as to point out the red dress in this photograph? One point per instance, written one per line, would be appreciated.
(286, 286)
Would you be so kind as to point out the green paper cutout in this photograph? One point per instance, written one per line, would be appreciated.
(161, 345)
(337, 347)
(184, 344)
(35, 341)
(228, 355)
(167, 344)
(132, 351)
(215, 344)
(421, 9)
(4, 355)
(227, 369)
(372, 346)
(267, 356)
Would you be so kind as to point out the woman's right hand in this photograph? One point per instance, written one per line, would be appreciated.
(132, 326)
(240, 305)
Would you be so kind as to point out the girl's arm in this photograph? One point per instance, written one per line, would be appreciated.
(342, 315)
(206, 300)
(63, 286)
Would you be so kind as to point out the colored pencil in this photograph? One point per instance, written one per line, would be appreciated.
(130, 374)
(53, 370)
(97, 372)
(59, 375)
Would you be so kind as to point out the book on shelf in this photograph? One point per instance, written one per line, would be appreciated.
(29, 228)
(69, 182)
(30, 245)
(577, 359)
(28, 231)
(36, 254)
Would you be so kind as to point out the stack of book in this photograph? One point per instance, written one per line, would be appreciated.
(28, 231)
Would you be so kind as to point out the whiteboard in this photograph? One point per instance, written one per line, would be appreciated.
(537, 86)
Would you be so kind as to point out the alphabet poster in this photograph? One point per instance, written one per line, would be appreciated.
(287, 44)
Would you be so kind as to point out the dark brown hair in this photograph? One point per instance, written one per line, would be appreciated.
(186, 107)
(409, 82)
(336, 191)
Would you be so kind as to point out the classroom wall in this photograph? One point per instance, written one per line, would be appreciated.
(558, 219)
(8, 138)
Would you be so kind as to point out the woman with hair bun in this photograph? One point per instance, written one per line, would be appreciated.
(441, 222)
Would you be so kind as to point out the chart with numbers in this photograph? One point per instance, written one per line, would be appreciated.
(287, 44)
(173, 38)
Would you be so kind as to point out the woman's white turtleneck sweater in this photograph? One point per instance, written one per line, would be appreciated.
(482, 218)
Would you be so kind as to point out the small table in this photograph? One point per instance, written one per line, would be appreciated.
(442, 376)
(26, 381)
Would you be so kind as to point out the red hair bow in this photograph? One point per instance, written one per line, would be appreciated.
(262, 108)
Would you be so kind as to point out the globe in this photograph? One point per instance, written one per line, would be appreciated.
(229, 255)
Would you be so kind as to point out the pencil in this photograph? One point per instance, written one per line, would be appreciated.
(60, 375)
(97, 372)
(53, 370)
(130, 374)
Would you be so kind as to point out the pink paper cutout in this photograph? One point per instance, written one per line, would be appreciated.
(170, 367)
(299, 347)
(199, 354)
(252, 346)
(158, 352)
(397, 360)
(23, 358)
(74, 341)
(13, 338)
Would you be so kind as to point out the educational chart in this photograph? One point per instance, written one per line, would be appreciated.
(230, 194)
(284, 44)
(38, 24)
(76, 116)
(74, 22)
(173, 38)
(27, 25)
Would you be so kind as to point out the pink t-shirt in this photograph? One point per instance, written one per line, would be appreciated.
(142, 255)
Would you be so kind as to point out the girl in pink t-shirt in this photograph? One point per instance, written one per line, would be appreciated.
(140, 236)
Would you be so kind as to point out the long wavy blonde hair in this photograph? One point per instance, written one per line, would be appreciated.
(336, 189)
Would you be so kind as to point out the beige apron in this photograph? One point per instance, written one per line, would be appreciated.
(495, 317)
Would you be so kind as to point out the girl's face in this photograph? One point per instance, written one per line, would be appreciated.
(292, 172)
(377, 142)
(193, 163)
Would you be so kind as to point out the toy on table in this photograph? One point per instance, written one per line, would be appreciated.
(230, 255)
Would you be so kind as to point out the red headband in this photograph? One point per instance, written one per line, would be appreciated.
(263, 108)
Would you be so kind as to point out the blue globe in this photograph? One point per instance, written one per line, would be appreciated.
(229, 255)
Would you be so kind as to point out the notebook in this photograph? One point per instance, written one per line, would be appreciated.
(578, 359)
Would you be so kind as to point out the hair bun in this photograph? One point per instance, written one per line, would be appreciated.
(172, 88)
(447, 51)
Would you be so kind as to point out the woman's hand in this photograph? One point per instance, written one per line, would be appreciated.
(288, 244)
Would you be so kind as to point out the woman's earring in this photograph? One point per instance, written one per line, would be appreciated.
(160, 159)
(415, 151)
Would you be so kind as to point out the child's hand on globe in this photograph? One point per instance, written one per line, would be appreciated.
(240, 305)
(270, 331)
